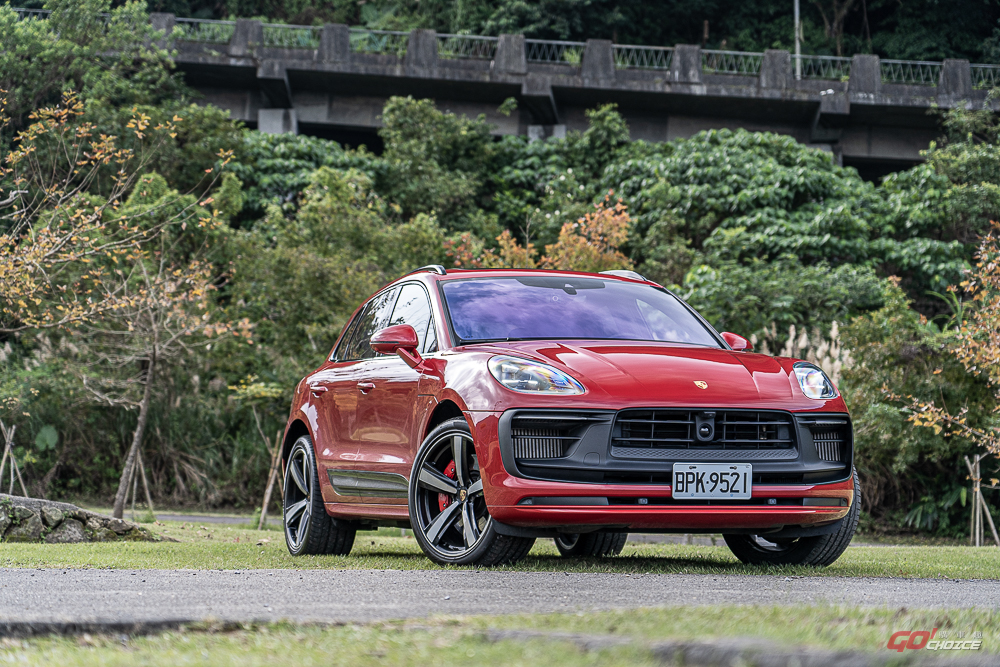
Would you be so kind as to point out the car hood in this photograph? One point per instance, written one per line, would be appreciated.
(665, 374)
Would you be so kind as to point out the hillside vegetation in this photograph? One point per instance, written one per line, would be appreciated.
(205, 268)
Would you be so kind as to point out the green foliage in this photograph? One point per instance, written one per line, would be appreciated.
(748, 298)
(109, 62)
(47, 438)
(276, 168)
(300, 279)
(436, 164)
(896, 349)
(753, 228)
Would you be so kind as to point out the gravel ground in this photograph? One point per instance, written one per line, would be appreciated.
(150, 596)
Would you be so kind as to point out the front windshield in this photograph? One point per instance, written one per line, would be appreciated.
(556, 307)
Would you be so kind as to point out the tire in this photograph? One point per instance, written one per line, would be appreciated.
(448, 511)
(819, 550)
(590, 544)
(308, 528)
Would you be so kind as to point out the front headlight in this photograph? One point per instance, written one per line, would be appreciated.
(531, 377)
(813, 381)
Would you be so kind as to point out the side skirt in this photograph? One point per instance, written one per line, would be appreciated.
(367, 483)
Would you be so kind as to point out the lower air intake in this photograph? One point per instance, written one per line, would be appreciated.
(537, 443)
(829, 444)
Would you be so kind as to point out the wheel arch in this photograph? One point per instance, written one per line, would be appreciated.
(295, 430)
(443, 411)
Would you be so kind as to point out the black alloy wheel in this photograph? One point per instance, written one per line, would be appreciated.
(308, 528)
(448, 511)
(819, 550)
(577, 545)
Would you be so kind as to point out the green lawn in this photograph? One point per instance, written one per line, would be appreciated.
(220, 546)
(449, 641)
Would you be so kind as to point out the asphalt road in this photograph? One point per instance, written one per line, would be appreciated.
(149, 596)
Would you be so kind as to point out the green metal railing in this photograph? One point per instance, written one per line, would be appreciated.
(469, 47)
(626, 56)
(731, 62)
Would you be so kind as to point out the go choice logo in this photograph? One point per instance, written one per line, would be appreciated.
(930, 640)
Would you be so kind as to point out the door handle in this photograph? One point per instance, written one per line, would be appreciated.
(318, 389)
(366, 387)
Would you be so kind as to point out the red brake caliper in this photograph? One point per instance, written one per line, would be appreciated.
(443, 498)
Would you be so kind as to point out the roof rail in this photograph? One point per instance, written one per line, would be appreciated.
(433, 268)
(625, 273)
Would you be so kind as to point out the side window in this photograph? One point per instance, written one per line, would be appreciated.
(432, 342)
(413, 308)
(345, 341)
(374, 319)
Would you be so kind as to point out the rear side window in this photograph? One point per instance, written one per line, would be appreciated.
(372, 320)
(345, 340)
(413, 308)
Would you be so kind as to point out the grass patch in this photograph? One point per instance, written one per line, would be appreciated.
(229, 547)
(453, 641)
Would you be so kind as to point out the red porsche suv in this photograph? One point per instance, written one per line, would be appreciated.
(487, 408)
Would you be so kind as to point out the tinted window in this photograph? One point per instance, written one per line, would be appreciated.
(413, 308)
(564, 308)
(345, 340)
(373, 319)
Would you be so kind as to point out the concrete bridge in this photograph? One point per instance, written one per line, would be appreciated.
(333, 81)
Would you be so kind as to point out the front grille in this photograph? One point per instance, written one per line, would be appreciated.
(703, 430)
(546, 436)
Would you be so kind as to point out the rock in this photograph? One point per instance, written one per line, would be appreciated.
(26, 519)
(68, 531)
(119, 526)
(105, 535)
(29, 526)
(51, 517)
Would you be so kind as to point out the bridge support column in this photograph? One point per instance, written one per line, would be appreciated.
(865, 84)
(686, 64)
(246, 35)
(334, 44)
(537, 98)
(163, 22)
(599, 62)
(272, 77)
(956, 82)
(511, 56)
(421, 51)
(277, 121)
(776, 70)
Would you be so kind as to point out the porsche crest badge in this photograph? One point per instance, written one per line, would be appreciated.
(701, 384)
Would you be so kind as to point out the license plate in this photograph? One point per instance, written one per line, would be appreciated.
(712, 480)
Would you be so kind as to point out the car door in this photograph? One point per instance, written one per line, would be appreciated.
(345, 384)
(326, 389)
(386, 409)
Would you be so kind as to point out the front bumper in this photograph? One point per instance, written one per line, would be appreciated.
(603, 494)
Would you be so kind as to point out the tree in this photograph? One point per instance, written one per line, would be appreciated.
(589, 244)
(834, 13)
(61, 240)
(109, 56)
(77, 254)
(976, 345)
(129, 345)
